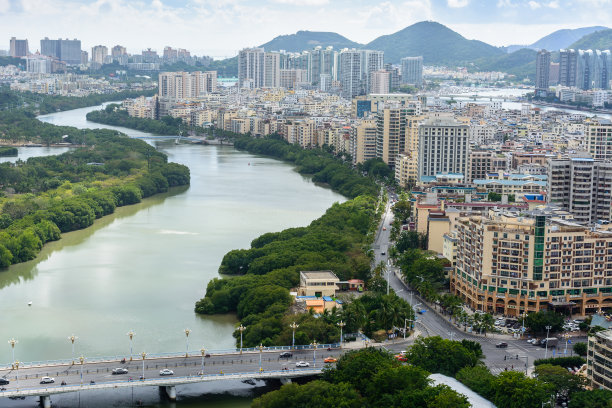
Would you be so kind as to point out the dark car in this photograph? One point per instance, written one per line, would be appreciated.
(286, 354)
(501, 345)
(119, 371)
(4, 381)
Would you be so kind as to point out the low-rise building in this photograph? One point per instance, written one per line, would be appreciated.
(318, 283)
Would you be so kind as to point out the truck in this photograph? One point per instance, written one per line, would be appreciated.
(550, 342)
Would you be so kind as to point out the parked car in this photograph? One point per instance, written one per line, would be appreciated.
(286, 354)
(330, 360)
(47, 380)
(302, 364)
(401, 357)
(4, 381)
(502, 345)
(119, 371)
(166, 371)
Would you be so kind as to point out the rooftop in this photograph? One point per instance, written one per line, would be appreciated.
(318, 275)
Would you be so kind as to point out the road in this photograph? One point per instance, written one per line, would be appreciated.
(432, 324)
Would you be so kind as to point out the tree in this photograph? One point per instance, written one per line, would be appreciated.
(580, 349)
(511, 389)
(563, 382)
(478, 378)
(494, 196)
(314, 394)
(591, 399)
(438, 355)
(359, 367)
(537, 322)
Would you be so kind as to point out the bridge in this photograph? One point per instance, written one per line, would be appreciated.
(144, 370)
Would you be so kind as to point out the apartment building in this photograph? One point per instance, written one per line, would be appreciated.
(599, 360)
(599, 139)
(482, 163)
(406, 169)
(251, 63)
(391, 134)
(443, 146)
(513, 264)
(363, 141)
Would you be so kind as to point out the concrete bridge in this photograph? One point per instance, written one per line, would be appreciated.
(144, 370)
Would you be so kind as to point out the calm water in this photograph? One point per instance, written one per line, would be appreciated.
(144, 267)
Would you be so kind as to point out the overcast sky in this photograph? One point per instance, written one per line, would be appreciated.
(221, 27)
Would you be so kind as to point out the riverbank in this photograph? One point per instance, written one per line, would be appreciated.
(574, 107)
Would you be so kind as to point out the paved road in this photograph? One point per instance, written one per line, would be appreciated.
(432, 324)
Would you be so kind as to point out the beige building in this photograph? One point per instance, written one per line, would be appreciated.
(363, 141)
(510, 264)
(599, 139)
(483, 162)
(272, 76)
(318, 283)
(380, 82)
(406, 169)
(599, 360)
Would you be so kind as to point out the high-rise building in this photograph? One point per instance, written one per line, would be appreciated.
(443, 146)
(542, 73)
(271, 70)
(412, 71)
(394, 77)
(598, 137)
(380, 82)
(371, 61)
(183, 85)
(581, 186)
(363, 141)
(593, 69)
(118, 51)
(98, 54)
(391, 133)
(599, 359)
(150, 55)
(18, 48)
(350, 73)
(483, 162)
(251, 62)
(513, 263)
(291, 78)
(567, 67)
(84, 57)
(68, 51)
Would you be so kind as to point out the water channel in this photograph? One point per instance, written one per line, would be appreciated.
(144, 267)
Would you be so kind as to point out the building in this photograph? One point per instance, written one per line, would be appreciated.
(350, 73)
(371, 61)
(292, 78)
(511, 263)
(542, 73)
(380, 82)
(318, 283)
(84, 57)
(185, 85)
(363, 139)
(599, 360)
(68, 51)
(98, 54)
(118, 51)
(272, 75)
(412, 71)
(18, 48)
(443, 146)
(599, 139)
(406, 170)
(568, 60)
(391, 134)
(39, 64)
(251, 62)
(581, 186)
(483, 162)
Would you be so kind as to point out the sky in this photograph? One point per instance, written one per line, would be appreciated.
(219, 28)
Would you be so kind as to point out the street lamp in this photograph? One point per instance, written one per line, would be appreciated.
(72, 339)
(523, 328)
(12, 342)
(131, 334)
(143, 355)
(314, 345)
(187, 331)
(341, 324)
(261, 347)
(203, 351)
(241, 328)
(547, 332)
(293, 326)
(16, 365)
(81, 359)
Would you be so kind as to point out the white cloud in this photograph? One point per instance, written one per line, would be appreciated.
(302, 2)
(5, 6)
(457, 3)
(553, 4)
(534, 5)
(505, 3)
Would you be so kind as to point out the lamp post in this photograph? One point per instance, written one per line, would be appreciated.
(131, 334)
(261, 347)
(241, 328)
(341, 324)
(293, 326)
(314, 345)
(81, 359)
(187, 331)
(12, 342)
(523, 328)
(143, 355)
(72, 339)
(16, 365)
(547, 332)
(203, 351)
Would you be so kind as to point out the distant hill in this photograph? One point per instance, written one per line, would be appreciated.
(559, 39)
(520, 63)
(599, 40)
(437, 44)
(307, 40)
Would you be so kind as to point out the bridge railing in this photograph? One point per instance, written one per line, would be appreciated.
(151, 356)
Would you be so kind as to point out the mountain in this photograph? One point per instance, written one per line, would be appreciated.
(559, 39)
(520, 63)
(307, 40)
(438, 44)
(599, 40)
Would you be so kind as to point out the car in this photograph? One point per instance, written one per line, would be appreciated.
(117, 371)
(530, 341)
(330, 360)
(384, 228)
(302, 364)
(286, 354)
(4, 381)
(165, 371)
(501, 345)
(401, 357)
(47, 380)
(383, 253)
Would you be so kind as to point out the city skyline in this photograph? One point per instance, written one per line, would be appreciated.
(198, 25)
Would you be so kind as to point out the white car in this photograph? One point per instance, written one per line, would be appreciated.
(165, 371)
(302, 364)
(47, 380)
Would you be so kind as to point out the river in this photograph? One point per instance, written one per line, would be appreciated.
(144, 267)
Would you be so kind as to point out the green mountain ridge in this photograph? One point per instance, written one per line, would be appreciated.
(307, 40)
(599, 40)
(558, 39)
